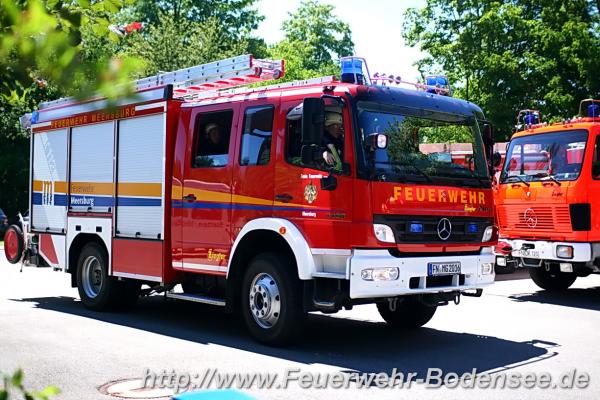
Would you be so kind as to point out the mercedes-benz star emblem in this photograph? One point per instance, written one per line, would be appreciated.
(530, 218)
(444, 228)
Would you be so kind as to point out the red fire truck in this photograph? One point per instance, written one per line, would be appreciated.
(276, 201)
(549, 221)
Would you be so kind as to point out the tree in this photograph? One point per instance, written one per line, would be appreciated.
(236, 17)
(314, 37)
(167, 46)
(41, 42)
(512, 55)
(42, 57)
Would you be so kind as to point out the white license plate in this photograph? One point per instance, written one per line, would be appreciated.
(529, 253)
(447, 268)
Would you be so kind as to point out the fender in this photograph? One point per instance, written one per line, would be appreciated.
(293, 237)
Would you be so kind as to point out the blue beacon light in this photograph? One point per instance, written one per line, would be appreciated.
(352, 71)
(416, 228)
(472, 228)
(594, 110)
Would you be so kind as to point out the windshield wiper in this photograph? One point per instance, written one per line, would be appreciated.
(547, 175)
(518, 178)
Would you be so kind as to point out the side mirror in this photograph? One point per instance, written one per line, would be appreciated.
(497, 159)
(377, 141)
(488, 133)
(313, 118)
(308, 154)
(329, 182)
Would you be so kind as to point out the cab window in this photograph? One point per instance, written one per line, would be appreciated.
(211, 139)
(256, 136)
(330, 153)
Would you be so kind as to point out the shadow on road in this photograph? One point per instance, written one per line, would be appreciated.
(353, 345)
(588, 298)
(520, 273)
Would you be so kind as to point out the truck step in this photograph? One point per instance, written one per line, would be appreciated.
(196, 298)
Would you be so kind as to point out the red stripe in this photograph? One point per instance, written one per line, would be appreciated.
(47, 248)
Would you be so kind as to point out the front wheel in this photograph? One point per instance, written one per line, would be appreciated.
(272, 300)
(408, 312)
(553, 281)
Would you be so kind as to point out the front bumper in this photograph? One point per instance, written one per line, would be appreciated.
(413, 274)
(543, 250)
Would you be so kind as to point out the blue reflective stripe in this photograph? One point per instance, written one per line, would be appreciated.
(61, 200)
(138, 202)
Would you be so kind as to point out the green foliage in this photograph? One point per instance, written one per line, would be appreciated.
(41, 42)
(236, 17)
(314, 37)
(13, 386)
(167, 45)
(510, 55)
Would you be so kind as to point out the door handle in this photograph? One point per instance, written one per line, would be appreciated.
(189, 197)
(284, 198)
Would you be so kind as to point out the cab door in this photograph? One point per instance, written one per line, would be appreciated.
(207, 189)
(324, 216)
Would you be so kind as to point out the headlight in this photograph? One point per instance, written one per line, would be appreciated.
(487, 268)
(380, 274)
(563, 251)
(487, 234)
(384, 233)
(501, 261)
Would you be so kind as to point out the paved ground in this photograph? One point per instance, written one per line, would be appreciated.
(514, 327)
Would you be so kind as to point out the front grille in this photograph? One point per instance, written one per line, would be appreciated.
(400, 224)
(549, 219)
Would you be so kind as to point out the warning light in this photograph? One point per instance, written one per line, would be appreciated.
(282, 230)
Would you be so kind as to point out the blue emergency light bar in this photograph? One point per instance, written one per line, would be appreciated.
(593, 110)
(352, 70)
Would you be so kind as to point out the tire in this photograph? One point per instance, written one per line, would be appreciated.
(99, 291)
(507, 269)
(13, 244)
(272, 300)
(409, 313)
(552, 281)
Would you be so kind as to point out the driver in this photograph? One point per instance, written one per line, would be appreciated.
(333, 140)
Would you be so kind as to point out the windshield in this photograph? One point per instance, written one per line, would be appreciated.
(439, 149)
(557, 155)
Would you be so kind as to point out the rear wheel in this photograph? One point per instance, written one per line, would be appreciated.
(99, 291)
(553, 281)
(13, 244)
(272, 300)
(408, 313)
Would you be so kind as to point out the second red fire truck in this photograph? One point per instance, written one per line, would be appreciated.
(276, 201)
(548, 214)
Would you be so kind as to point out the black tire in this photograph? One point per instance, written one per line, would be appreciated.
(552, 281)
(13, 244)
(97, 290)
(267, 275)
(504, 270)
(409, 313)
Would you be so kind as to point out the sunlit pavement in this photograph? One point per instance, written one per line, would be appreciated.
(514, 327)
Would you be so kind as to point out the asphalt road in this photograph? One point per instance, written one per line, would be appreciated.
(513, 328)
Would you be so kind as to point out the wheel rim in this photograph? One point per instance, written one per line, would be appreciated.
(265, 301)
(92, 276)
(11, 244)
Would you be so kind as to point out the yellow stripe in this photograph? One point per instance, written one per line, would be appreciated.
(104, 188)
(59, 186)
(93, 188)
(140, 189)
